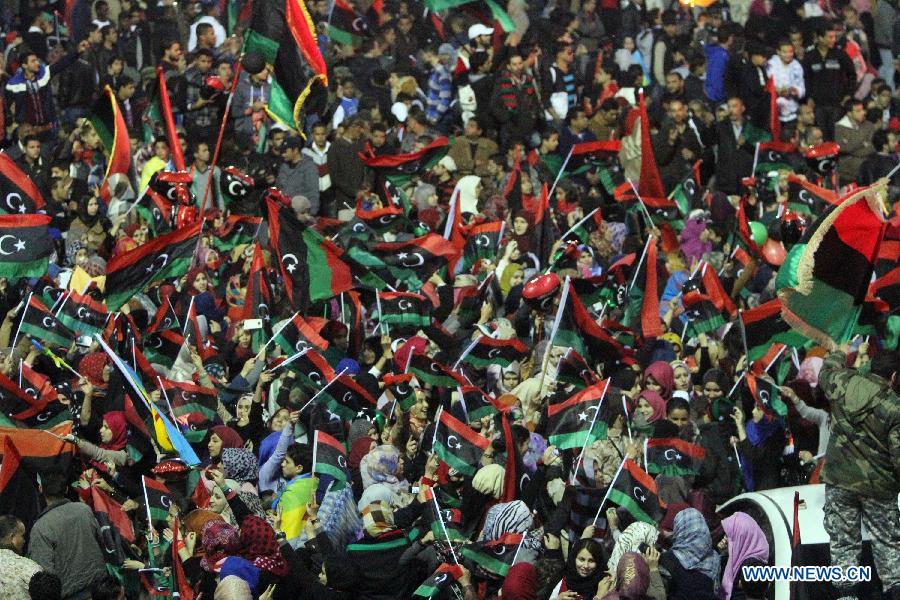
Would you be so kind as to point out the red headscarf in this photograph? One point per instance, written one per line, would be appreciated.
(115, 420)
(521, 582)
(664, 375)
(91, 366)
(658, 404)
(258, 545)
(230, 438)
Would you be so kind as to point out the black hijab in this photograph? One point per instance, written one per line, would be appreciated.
(585, 586)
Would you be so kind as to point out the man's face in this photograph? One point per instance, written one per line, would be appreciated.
(379, 138)
(319, 135)
(33, 149)
(209, 37)
(858, 113)
(828, 40)
(204, 63)
(580, 121)
(116, 67)
(173, 52)
(102, 11)
(671, 30)
(735, 109)
(349, 89)
(94, 37)
(806, 115)
(516, 65)
(553, 142)
(786, 53)
(32, 64)
(472, 129)
(202, 153)
(566, 56)
(112, 36)
(816, 137)
(224, 72)
(678, 112)
(126, 92)
(673, 83)
(405, 25)
(161, 150)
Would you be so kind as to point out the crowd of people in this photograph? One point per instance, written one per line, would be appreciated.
(486, 214)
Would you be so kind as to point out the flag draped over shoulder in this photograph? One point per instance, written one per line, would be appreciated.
(835, 268)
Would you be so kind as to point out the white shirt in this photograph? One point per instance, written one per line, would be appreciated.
(790, 76)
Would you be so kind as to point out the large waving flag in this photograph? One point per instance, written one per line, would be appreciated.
(574, 423)
(19, 493)
(25, 245)
(835, 268)
(292, 504)
(110, 126)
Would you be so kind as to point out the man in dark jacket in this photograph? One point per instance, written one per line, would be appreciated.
(64, 538)
(345, 167)
(879, 164)
(515, 102)
(830, 77)
(735, 146)
(862, 465)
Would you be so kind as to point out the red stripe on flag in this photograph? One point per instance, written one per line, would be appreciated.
(682, 446)
(464, 430)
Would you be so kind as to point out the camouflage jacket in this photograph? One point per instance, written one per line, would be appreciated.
(863, 453)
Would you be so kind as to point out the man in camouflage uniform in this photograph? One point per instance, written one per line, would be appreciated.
(862, 465)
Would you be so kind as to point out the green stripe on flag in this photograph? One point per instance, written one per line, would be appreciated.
(381, 546)
(339, 475)
(453, 460)
(34, 268)
(78, 325)
(628, 503)
(670, 469)
(343, 37)
(501, 16)
(256, 42)
(280, 106)
(489, 563)
(46, 336)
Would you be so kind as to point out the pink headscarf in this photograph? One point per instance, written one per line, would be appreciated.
(658, 404)
(809, 370)
(664, 375)
(745, 540)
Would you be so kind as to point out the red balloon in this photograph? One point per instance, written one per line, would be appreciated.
(774, 252)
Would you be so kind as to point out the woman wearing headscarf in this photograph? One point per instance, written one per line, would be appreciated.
(715, 384)
(220, 438)
(219, 541)
(681, 376)
(521, 583)
(584, 570)
(631, 540)
(637, 578)
(90, 226)
(375, 559)
(690, 568)
(761, 445)
(744, 539)
(651, 407)
(659, 377)
(113, 438)
(382, 465)
(259, 546)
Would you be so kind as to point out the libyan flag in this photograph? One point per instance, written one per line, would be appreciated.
(400, 388)
(673, 456)
(482, 242)
(25, 245)
(110, 126)
(20, 193)
(764, 326)
(19, 495)
(311, 265)
(835, 269)
(41, 324)
(445, 576)
(400, 167)
(193, 407)
(635, 491)
(497, 12)
(575, 423)
(157, 499)
(488, 351)
(330, 458)
(297, 335)
(765, 395)
(574, 370)
(495, 556)
(475, 403)
(83, 314)
(428, 370)
(808, 198)
(407, 312)
(458, 445)
(167, 256)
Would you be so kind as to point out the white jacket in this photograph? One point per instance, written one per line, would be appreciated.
(787, 75)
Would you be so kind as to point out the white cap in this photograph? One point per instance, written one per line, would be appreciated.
(448, 163)
(400, 111)
(479, 29)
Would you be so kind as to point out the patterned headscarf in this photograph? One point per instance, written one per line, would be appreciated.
(380, 465)
(377, 518)
(508, 517)
(630, 541)
(632, 578)
(692, 544)
(219, 540)
(240, 464)
(258, 545)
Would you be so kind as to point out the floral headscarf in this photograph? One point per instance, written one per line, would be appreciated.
(632, 578)
(380, 465)
(240, 464)
(258, 545)
(630, 541)
(219, 540)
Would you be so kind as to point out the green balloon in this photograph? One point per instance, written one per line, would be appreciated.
(758, 233)
(787, 273)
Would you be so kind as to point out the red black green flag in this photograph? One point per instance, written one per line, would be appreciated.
(458, 445)
(765, 394)
(635, 491)
(579, 330)
(297, 335)
(312, 369)
(707, 306)
(401, 389)
(414, 261)
(25, 245)
(109, 123)
(347, 399)
(238, 230)
(330, 458)
(156, 211)
(193, 408)
(20, 194)
(574, 370)
(773, 155)
(476, 404)
(347, 26)
(490, 351)
(83, 314)
(393, 165)
(19, 493)
(111, 515)
(259, 298)
(157, 499)
(470, 300)
(642, 312)
(162, 347)
(41, 324)
(764, 326)
(406, 312)
(576, 422)
(835, 269)
(445, 576)
(165, 318)
(482, 242)
(808, 198)
(311, 265)
(512, 191)
(673, 456)
(167, 256)
(428, 370)
(37, 385)
(495, 557)
(744, 231)
(41, 451)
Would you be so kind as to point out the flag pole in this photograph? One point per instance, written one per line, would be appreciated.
(627, 418)
(315, 450)
(609, 489)
(325, 387)
(755, 159)
(147, 504)
(640, 263)
(643, 206)
(437, 510)
(215, 157)
(291, 359)
(22, 320)
(562, 170)
(519, 547)
(65, 298)
(168, 403)
(737, 383)
(588, 437)
(437, 421)
(466, 352)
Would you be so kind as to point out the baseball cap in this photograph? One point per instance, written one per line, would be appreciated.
(479, 29)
